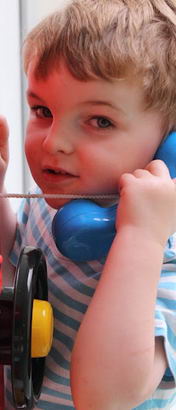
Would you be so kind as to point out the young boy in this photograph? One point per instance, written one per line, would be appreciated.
(102, 97)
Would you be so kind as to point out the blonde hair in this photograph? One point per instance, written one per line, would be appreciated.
(110, 39)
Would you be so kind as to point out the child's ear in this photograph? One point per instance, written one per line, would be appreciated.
(167, 153)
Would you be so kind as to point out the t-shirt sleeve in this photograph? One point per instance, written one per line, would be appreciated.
(165, 312)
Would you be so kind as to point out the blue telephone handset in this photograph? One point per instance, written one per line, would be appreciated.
(84, 231)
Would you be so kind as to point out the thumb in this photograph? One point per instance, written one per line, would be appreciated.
(4, 129)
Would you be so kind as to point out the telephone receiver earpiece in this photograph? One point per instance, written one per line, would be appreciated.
(84, 231)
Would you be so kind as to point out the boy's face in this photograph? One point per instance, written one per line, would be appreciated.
(82, 136)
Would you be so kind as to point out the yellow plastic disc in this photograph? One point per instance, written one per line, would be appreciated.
(42, 328)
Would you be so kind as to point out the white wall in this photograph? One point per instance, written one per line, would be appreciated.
(10, 90)
(34, 10)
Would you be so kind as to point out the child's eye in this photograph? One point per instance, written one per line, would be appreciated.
(101, 122)
(41, 111)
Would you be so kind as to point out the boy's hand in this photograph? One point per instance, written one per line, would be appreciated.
(4, 149)
(148, 202)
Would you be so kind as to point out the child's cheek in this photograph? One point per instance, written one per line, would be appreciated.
(30, 147)
(88, 157)
(94, 164)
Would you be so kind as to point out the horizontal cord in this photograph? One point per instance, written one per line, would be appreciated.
(58, 196)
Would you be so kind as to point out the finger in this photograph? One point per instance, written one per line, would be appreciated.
(158, 167)
(125, 179)
(4, 130)
(141, 173)
(4, 133)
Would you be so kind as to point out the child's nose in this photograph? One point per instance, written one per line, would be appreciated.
(58, 139)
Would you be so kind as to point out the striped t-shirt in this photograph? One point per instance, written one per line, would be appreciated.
(71, 287)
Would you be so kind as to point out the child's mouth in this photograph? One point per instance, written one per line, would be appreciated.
(54, 172)
(57, 174)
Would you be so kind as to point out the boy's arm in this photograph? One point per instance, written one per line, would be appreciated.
(116, 362)
(7, 216)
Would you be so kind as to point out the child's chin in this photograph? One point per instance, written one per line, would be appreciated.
(56, 203)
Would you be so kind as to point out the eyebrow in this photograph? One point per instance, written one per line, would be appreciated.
(105, 103)
(31, 94)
